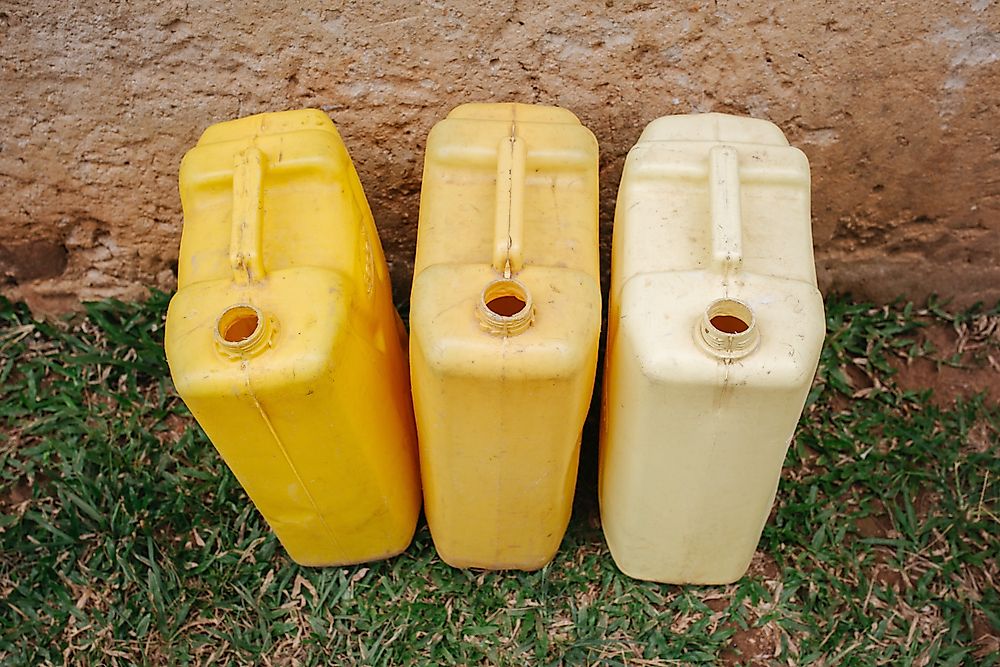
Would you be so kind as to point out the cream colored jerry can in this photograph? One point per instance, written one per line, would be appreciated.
(714, 333)
(283, 340)
(505, 319)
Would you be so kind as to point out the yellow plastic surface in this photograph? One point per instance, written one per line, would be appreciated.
(712, 228)
(508, 210)
(308, 403)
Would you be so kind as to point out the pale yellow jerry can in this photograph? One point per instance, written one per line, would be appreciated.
(714, 333)
(504, 325)
(283, 341)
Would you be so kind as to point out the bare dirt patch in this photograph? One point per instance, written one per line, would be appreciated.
(752, 646)
(984, 636)
(965, 361)
(877, 524)
(764, 565)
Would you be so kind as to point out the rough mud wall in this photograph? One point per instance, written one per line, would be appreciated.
(895, 103)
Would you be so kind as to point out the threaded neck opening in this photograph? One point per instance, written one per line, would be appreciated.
(242, 329)
(728, 329)
(505, 307)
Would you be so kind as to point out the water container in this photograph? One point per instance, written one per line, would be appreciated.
(283, 341)
(505, 319)
(714, 333)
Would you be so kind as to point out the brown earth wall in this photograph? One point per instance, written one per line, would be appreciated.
(897, 105)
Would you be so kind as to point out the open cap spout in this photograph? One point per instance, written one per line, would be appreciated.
(728, 329)
(505, 307)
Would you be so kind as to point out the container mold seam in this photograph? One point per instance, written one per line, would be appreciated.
(284, 452)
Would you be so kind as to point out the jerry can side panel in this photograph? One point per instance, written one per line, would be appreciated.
(516, 491)
(266, 477)
(654, 235)
(780, 242)
(372, 252)
(240, 428)
(366, 436)
(323, 504)
(562, 230)
(455, 202)
(319, 227)
(205, 236)
(363, 476)
(671, 513)
(236, 423)
(380, 408)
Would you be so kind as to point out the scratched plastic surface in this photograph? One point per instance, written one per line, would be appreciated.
(505, 320)
(283, 341)
(715, 328)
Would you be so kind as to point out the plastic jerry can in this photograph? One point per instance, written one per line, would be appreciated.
(283, 340)
(505, 316)
(714, 334)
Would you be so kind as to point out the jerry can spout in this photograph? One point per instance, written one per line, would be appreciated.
(243, 330)
(505, 307)
(728, 329)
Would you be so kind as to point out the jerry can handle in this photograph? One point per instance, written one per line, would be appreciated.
(728, 328)
(242, 329)
(505, 307)
(508, 232)
(724, 197)
(246, 257)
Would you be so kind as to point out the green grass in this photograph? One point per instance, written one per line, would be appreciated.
(124, 539)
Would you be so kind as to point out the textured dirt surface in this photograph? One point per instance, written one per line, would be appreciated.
(963, 361)
(896, 105)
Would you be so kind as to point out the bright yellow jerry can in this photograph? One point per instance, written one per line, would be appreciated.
(714, 333)
(283, 341)
(504, 325)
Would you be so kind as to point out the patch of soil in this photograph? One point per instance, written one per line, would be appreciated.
(717, 604)
(888, 577)
(877, 524)
(752, 646)
(978, 370)
(764, 565)
(985, 637)
(982, 437)
(20, 492)
(17, 494)
(174, 427)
